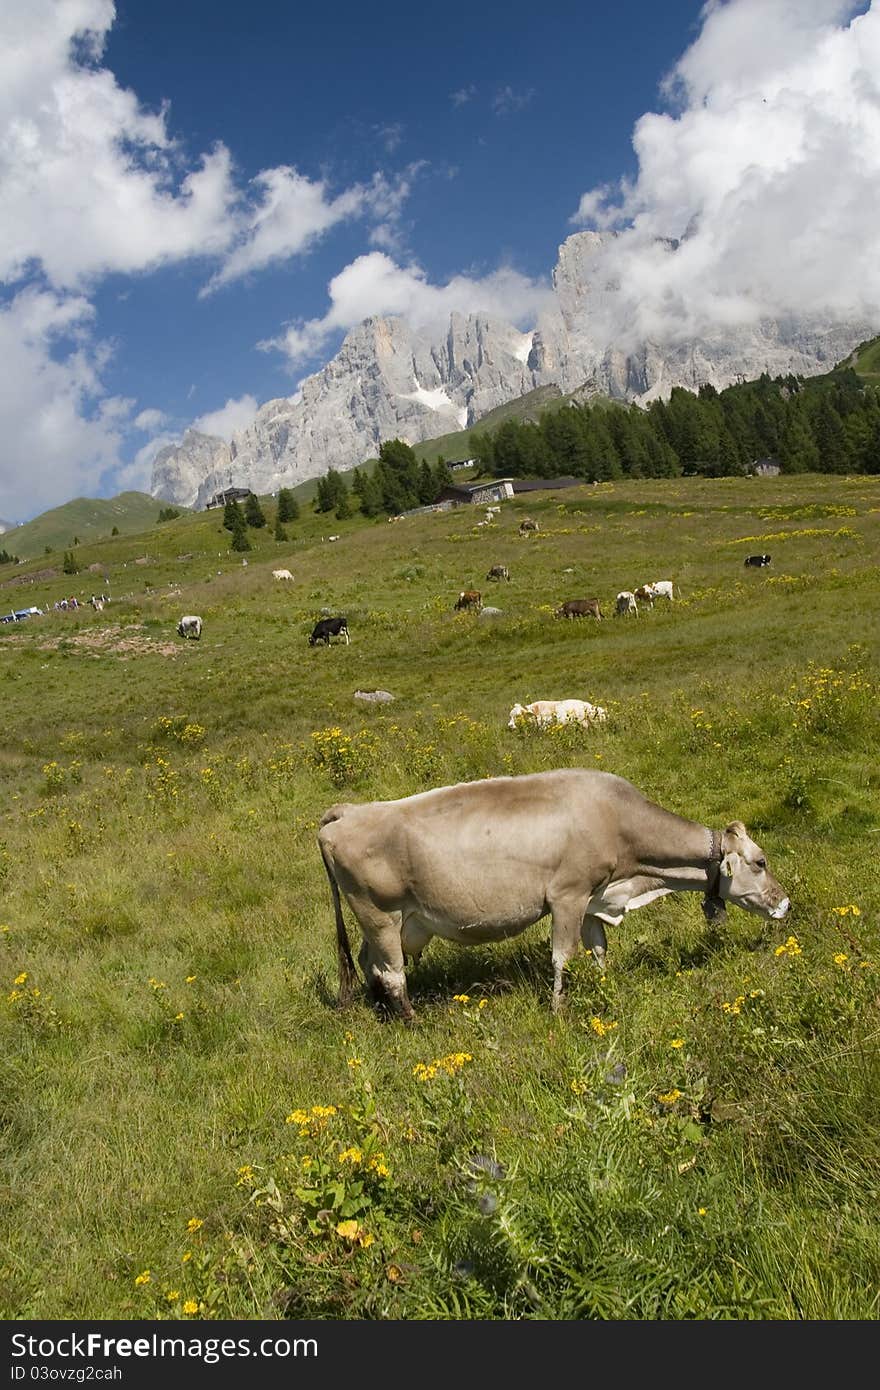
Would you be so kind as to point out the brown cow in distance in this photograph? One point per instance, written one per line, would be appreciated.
(580, 608)
(469, 598)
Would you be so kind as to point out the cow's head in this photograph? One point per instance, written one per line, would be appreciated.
(516, 713)
(744, 878)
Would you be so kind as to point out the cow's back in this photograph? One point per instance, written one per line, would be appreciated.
(474, 840)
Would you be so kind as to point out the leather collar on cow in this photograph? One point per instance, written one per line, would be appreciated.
(713, 903)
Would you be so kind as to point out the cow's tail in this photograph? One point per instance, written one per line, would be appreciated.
(348, 977)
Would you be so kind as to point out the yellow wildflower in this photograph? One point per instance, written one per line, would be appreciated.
(354, 1062)
(365, 1240)
(20, 979)
(670, 1097)
(297, 1117)
(482, 1004)
(195, 1223)
(791, 947)
(462, 998)
(178, 1017)
(354, 1156)
(186, 1256)
(190, 1306)
(172, 1295)
(143, 1278)
(189, 979)
(676, 1042)
(841, 959)
(348, 1230)
(600, 1028)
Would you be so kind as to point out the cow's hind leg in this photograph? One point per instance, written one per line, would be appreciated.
(593, 937)
(381, 957)
(564, 938)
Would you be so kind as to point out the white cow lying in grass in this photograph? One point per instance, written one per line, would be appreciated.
(281, 574)
(547, 712)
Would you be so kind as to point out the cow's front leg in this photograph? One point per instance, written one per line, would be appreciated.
(593, 937)
(564, 938)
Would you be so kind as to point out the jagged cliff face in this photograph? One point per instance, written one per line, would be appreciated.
(391, 381)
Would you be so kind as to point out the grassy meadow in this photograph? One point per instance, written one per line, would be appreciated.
(189, 1126)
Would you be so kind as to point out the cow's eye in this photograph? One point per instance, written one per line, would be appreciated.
(761, 863)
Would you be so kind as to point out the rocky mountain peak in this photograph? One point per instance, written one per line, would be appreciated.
(394, 380)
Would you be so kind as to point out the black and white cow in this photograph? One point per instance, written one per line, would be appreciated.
(757, 559)
(190, 626)
(327, 628)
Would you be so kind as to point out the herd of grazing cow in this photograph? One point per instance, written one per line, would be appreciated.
(627, 602)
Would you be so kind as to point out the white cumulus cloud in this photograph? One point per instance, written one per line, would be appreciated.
(768, 173)
(60, 430)
(374, 284)
(93, 183)
(291, 214)
(149, 420)
(90, 181)
(234, 415)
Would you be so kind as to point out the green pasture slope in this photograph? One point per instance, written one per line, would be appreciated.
(85, 518)
(190, 1128)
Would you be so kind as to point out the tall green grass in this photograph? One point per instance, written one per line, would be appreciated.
(190, 1128)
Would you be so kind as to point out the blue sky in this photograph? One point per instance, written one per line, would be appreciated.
(197, 200)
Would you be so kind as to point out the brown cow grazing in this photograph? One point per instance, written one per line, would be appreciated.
(482, 861)
(527, 526)
(469, 598)
(580, 608)
(645, 594)
(499, 572)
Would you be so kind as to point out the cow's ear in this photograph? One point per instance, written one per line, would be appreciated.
(734, 837)
(729, 864)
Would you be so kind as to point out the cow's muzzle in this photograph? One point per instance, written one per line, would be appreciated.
(780, 909)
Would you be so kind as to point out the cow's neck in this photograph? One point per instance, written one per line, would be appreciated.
(692, 863)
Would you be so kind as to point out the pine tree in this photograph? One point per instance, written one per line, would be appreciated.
(830, 438)
(288, 507)
(69, 564)
(330, 489)
(230, 510)
(442, 476)
(398, 473)
(343, 501)
(253, 512)
(280, 533)
(427, 485)
(370, 494)
(238, 527)
(482, 448)
(240, 536)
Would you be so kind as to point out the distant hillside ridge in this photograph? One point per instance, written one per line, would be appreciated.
(85, 519)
